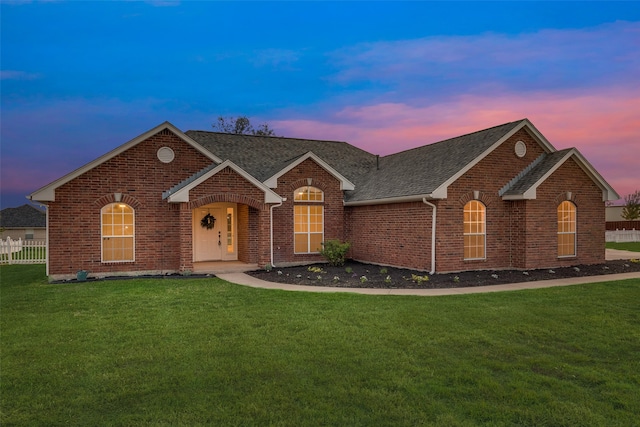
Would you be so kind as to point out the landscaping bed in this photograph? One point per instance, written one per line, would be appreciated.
(360, 275)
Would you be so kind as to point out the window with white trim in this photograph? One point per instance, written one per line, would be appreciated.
(566, 229)
(118, 233)
(474, 230)
(308, 231)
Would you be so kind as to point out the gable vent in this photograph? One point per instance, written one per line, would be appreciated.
(166, 155)
(520, 149)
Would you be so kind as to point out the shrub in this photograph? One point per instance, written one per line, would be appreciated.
(335, 251)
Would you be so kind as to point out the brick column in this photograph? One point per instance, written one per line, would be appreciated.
(186, 237)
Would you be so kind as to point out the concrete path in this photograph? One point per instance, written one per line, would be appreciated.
(612, 254)
(246, 280)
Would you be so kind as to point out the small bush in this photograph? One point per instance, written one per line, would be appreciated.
(419, 279)
(335, 251)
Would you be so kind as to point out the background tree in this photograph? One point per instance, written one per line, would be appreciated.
(631, 210)
(241, 125)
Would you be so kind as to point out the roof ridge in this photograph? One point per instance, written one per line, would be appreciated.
(268, 136)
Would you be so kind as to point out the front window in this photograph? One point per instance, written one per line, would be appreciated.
(118, 232)
(308, 220)
(566, 229)
(474, 230)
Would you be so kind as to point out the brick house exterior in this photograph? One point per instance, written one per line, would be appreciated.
(496, 196)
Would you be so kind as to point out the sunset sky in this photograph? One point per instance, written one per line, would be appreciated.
(81, 78)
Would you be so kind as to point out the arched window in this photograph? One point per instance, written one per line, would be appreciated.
(474, 230)
(308, 230)
(118, 233)
(566, 229)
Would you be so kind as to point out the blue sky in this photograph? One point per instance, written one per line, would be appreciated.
(80, 78)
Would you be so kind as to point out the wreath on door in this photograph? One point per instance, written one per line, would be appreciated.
(208, 221)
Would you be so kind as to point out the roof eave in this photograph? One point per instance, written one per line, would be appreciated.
(390, 200)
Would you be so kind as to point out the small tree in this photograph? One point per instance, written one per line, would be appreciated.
(335, 252)
(241, 126)
(631, 210)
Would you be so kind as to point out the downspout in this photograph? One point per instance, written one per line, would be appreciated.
(433, 235)
(271, 228)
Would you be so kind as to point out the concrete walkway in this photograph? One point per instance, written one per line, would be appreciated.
(613, 254)
(246, 280)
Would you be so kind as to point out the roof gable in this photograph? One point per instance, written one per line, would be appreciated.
(524, 186)
(441, 191)
(345, 184)
(180, 192)
(47, 193)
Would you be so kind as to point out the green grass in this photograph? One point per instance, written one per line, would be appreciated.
(629, 246)
(206, 352)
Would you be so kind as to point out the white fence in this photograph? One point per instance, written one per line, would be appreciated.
(620, 236)
(23, 251)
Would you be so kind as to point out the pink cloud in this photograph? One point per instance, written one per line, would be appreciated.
(604, 126)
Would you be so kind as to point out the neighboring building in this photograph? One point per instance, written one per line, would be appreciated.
(168, 201)
(614, 214)
(26, 222)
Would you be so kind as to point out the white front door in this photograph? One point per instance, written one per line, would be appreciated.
(209, 243)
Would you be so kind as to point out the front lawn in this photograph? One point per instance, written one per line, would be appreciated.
(207, 352)
(628, 246)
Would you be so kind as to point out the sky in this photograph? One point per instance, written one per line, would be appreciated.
(79, 79)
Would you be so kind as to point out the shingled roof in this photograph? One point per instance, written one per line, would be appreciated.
(265, 156)
(25, 216)
(415, 172)
(420, 171)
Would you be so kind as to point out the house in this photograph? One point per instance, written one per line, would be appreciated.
(25, 222)
(170, 201)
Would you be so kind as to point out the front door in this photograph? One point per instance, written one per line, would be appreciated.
(208, 241)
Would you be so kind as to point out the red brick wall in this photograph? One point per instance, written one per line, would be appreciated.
(283, 215)
(542, 240)
(520, 234)
(74, 227)
(393, 234)
(487, 177)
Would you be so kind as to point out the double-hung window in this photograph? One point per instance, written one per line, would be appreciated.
(308, 214)
(118, 233)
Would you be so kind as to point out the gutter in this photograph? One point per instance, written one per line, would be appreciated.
(271, 227)
(401, 199)
(433, 235)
